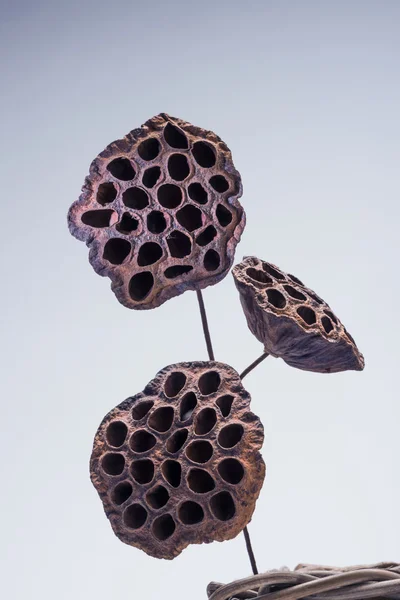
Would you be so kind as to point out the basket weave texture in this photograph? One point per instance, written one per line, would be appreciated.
(372, 582)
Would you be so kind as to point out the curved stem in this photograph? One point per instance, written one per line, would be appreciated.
(210, 351)
(254, 364)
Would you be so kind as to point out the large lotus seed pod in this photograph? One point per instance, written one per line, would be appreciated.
(179, 463)
(293, 322)
(160, 212)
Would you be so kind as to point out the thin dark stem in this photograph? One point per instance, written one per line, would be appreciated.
(204, 322)
(254, 365)
(250, 552)
(210, 351)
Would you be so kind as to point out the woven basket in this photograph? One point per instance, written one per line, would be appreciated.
(372, 582)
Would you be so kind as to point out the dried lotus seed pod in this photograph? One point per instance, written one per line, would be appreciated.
(293, 322)
(159, 211)
(179, 463)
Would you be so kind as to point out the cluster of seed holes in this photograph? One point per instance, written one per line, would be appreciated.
(230, 435)
(179, 244)
(199, 451)
(169, 195)
(197, 193)
(172, 472)
(149, 149)
(307, 314)
(135, 198)
(98, 218)
(276, 298)
(142, 441)
(116, 250)
(149, 253)
(140, 285)
(178, 167)
(106, 193)
(121, 168)
(206, 236)
(127, 224)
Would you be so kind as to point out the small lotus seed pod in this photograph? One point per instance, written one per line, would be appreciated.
(159, 211)
(293, 322)
(179, 463)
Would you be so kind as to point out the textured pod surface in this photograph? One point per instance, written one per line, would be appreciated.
(293, 322)
(159, 211)
(179, 463)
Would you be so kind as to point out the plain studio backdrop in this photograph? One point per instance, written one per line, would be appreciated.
(306, 94)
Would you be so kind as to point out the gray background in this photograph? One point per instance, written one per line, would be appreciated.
(307, 95)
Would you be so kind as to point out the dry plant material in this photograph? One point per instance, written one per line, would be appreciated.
(159, 211)
(179, 463)
(293, 322)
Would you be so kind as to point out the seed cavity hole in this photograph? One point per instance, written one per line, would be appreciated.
(190, 217)
(142, 471)
(276, 298)
(190, 513)
(197, 193)
(204, 154)
(178, 167)
(272, 271)
(231, 470)
(174, 384)
(307, 314)
(116, 433)
(169, 195)
(200, 481)
(188, 404)
(121, 493)
(177, 270)
(121, 168)
(113, 463)
(140, 410)
(205, 421)
(175, 137)
(224, 404)
(223, 506)
(161, 419)
(135, 198)
(209, 382)
(206, 236)
(157, 497)
(151, 176)
(164, 527)
(106, 193)
(142, 441)
(179, 244)
(135, 516)
(219, 183)
(156, 222)
(140, 285)
(199, 451)
(212, 260)
(295, 280)
(327, 324)
(98, 218)
(258, 275)
(224, 215)
(230, 435)
(331, 316)
(149, 253)
(172, 471)
(294, 293)
(149, 149)
(116, 250)
(177, 440)
(314, 297)
(127, 224)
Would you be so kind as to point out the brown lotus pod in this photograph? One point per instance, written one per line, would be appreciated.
(293, 322)
(179, 463)
(159, 211)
